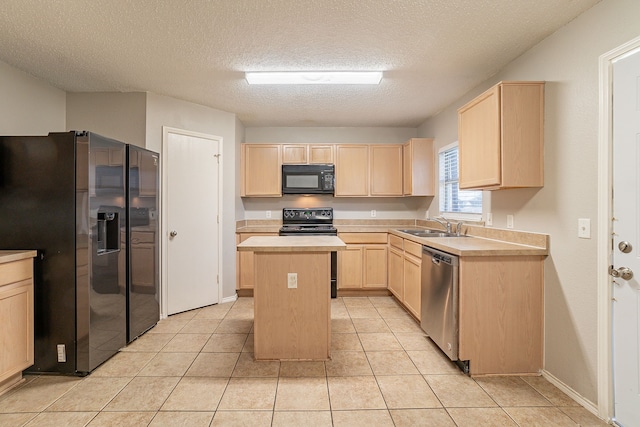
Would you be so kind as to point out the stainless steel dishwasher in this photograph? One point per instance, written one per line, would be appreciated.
(439, 299)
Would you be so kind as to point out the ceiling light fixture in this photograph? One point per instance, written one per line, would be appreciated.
(314, 77)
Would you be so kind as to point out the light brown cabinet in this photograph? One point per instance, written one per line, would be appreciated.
(418, 173)
(405, 269)
(396, 272)
(352, 170)
(245, 262)
(385, 171)
(362, 170)
(501, 314)
(261, 170)
(363, 264)
(16, 318)
(307, 153)
(294, 153)
(321, 153)
(412, 276)
(500, 137)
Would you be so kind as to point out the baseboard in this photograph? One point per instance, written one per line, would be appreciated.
(588, 405)
(232, 298)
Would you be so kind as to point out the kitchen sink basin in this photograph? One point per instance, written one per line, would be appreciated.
(430, 233)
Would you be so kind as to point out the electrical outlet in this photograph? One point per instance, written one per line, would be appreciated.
(292, 280)
(584, 228)
(373, 213)
(62, 353)
(509, 221)
(268, 213)
(489, 220)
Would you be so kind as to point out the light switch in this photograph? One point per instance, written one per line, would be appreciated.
(584, 228)
(509, 221)
(292, 280)
(489, 220)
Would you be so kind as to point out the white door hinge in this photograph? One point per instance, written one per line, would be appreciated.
(218, 278)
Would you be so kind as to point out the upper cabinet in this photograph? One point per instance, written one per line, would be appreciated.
(501, 136)
(385, 171)
(418, 167)
(307, 153)
(352, 170)
(362, 170)
(294, 153)
(261, 170)
(321, 153)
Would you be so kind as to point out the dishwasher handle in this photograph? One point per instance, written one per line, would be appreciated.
(438, 257)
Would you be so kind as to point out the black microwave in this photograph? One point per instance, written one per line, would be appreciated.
(308, 179)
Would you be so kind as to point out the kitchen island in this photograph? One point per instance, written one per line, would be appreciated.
(292, 296)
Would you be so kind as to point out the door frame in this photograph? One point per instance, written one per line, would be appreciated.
(605, 211)
(166, 130)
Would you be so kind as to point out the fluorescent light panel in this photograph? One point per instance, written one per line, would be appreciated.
(314, 77)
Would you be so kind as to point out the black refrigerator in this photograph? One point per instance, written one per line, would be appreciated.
(65, 195)
(143, 279)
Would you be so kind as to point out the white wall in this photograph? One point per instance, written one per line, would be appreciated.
(165, 111)
(29, 106)
(344, 208)
(568, 62)
(117, 115)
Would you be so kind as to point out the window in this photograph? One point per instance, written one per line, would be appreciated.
(452, 199)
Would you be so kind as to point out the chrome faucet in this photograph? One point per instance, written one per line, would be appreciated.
(443, 222)
(448, 225)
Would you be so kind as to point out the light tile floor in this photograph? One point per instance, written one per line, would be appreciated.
(197, 369)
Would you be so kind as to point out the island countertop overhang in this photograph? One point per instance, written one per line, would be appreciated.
(292, 244)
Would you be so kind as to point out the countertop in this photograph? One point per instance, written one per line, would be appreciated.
(481, 241)
(292, 244)
(474, 246)
(10, 256)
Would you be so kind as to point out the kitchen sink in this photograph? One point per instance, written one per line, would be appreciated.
(430, 233)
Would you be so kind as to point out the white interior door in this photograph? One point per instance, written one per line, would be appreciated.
(626, 239)
(192, 216)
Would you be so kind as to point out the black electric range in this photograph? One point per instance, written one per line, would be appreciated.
(307, 221)
(312, 222)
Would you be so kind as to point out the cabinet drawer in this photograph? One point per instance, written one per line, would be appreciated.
(413, 248)
(396, 241)
(16, 271)
(363, 237)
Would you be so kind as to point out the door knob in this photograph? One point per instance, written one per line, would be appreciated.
(623, 272)
(625, 247)
(173, 233)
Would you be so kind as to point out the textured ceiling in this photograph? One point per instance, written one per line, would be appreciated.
(432, 51)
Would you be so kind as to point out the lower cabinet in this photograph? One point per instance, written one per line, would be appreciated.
(16, 318)
(245, 261)
(405, 269)
(363, 265)
(412, 274)
(501, 313)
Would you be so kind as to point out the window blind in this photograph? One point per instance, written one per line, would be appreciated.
(452, 199)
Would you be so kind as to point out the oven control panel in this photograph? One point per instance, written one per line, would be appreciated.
(304, 215)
